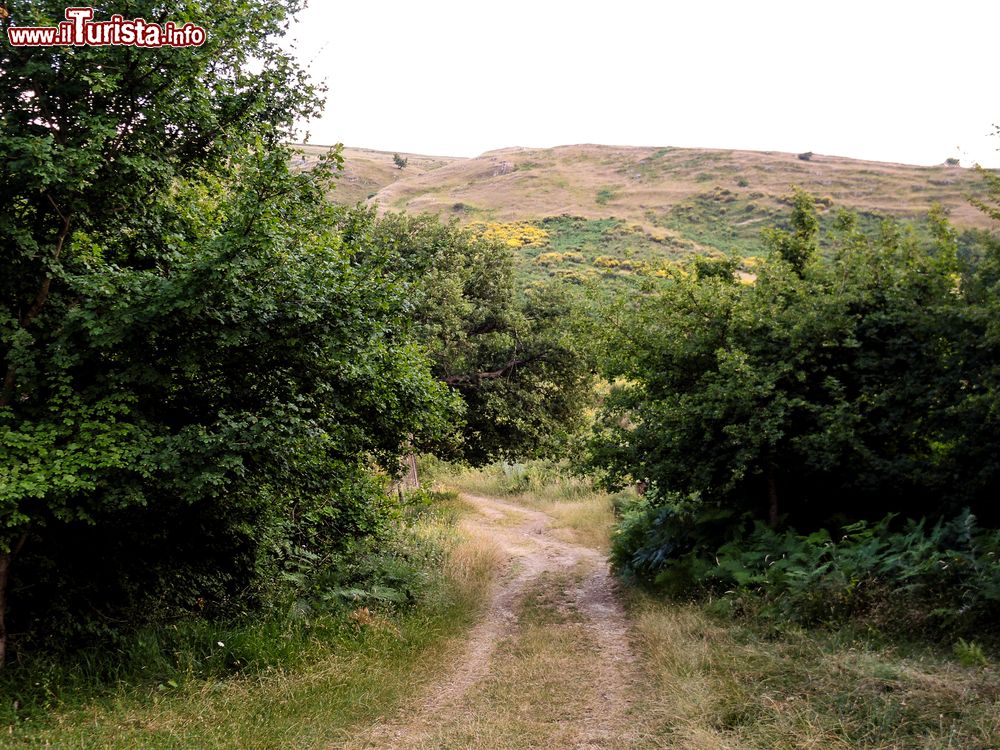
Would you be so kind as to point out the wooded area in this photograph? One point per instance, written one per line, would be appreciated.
(211, 373)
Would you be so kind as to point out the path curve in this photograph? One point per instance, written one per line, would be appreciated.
(532, 550)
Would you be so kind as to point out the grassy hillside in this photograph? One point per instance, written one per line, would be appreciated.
(614, 210)
(367, 171)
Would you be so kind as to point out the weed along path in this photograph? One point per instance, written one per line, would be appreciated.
(549, 665)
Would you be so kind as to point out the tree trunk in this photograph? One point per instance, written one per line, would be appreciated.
(410, 478)
(6, 558)
(772, 497)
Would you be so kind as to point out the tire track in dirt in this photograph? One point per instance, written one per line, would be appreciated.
(525, 537)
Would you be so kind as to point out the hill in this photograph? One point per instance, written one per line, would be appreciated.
(612, 209)
(367, 171)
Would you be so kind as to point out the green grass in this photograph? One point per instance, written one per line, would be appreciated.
(578, 250)
(731, 221)
(723, 219)
(720, 683)
(604, 196)
(303, 680)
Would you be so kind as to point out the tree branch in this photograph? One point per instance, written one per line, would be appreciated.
(43, 291)
(7, 390)
(478, 377)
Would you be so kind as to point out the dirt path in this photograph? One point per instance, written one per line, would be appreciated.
(549, 665)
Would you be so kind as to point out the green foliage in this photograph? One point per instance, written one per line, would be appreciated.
(604, 196)
(970, 654)
(202, 377)
(262, 380)
(839, 384)
(518, 365)
(920, 580)
(399, 161)
(825, 393)
(798, 247)
(989, 200)
(323, 610)
(723, 269)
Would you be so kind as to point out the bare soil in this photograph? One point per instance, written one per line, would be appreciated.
(565, 587)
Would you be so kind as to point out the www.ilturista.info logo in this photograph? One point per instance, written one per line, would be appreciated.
(80, 29)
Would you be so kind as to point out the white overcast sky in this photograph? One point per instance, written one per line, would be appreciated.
(913, 82)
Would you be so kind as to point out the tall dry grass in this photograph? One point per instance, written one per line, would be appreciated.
(719, 684)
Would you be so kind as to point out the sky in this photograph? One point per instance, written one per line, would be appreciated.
(912, 82)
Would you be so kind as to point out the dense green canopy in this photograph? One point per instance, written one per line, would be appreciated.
(826, 391)
(201, 376)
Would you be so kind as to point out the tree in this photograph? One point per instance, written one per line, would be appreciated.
(399, 161)
(521, 369)
(798, 247)
(823, 393)
(198, 373)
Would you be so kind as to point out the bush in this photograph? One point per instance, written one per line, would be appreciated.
(323, 603)
(604, 196)
(930, 581)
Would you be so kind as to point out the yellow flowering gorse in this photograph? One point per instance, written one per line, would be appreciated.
(513, 234)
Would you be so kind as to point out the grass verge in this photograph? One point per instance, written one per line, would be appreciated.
(325, 675)
(719, 684)
(710, 681)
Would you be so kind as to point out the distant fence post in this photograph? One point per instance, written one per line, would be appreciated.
(408, 477)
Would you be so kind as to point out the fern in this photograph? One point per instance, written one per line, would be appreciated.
(938, 580)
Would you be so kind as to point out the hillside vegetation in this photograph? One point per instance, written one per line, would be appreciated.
(367, 171)
(614, 211)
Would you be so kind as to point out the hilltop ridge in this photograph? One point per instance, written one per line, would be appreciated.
(517, 182)
(603, 206)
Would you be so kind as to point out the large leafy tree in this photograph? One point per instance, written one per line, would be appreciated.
(823, 392)
(516, 359)
(198, 373)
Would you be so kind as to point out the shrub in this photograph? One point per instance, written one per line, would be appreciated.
(970, 653)
(932, 581)
(515, 234)
(604, 196)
